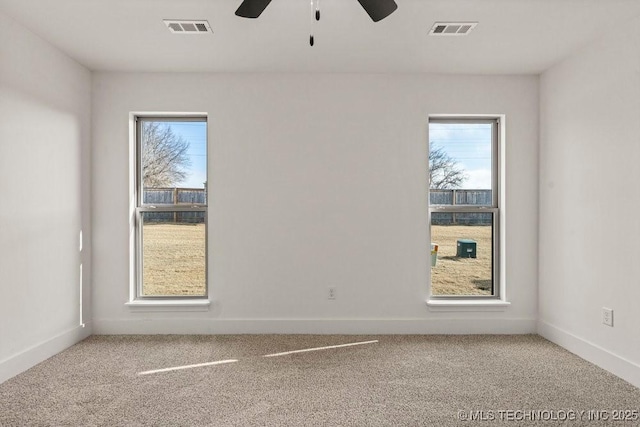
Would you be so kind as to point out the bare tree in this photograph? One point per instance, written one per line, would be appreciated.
(444, 171)
(164, 156)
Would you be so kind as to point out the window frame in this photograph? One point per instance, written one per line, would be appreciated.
(495, 209)
(136, 294)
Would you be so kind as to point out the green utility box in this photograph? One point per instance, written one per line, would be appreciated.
(466, 248)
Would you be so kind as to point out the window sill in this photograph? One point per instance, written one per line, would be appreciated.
(467, 305)
(169, 305)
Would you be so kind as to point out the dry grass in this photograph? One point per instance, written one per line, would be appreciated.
(461, 276)
(174, 259)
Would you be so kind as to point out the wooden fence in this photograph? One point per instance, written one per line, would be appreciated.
(460, 197)
(456, 197)
(176, 197)
(198, 197)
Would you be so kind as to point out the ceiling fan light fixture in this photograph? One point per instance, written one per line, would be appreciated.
(376, 9)
(252, 8)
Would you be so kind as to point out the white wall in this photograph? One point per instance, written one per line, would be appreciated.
(316, 181)
(590, 202)
(44, 184)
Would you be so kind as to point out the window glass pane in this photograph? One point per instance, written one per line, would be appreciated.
(463, 263)
(460, 163)
(173, 253)
(173, 156)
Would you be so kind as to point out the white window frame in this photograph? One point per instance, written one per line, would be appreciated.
(158, 302)
(497, 300)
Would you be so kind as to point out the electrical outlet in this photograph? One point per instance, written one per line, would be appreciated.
(607, 316)
(332, 292)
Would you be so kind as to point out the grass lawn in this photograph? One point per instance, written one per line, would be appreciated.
(461, 276)
(174, 259)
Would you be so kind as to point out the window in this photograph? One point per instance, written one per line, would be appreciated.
(464, 207)
(171, 207)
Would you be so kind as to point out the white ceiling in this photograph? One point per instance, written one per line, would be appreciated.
(513, 36)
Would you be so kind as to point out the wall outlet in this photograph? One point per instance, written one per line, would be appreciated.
(332, 292)
(607, 316)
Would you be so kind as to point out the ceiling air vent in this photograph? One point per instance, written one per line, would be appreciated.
(180, 26)
(452, 28)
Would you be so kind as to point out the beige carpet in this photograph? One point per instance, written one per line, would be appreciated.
(397, 381)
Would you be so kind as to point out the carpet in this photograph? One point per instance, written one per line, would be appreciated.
(386, 380)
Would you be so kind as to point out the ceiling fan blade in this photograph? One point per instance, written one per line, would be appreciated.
(378, 9)
(252, 8)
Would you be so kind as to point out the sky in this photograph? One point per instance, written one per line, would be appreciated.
(195, 133)
(469, 145)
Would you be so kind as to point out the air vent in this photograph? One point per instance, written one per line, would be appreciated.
(452, 28)
(179, 26)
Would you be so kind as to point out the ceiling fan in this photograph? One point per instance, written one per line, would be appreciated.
(377, 9)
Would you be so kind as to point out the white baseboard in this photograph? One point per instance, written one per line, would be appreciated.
(314, 326)
(619, 366)
(30, 357)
